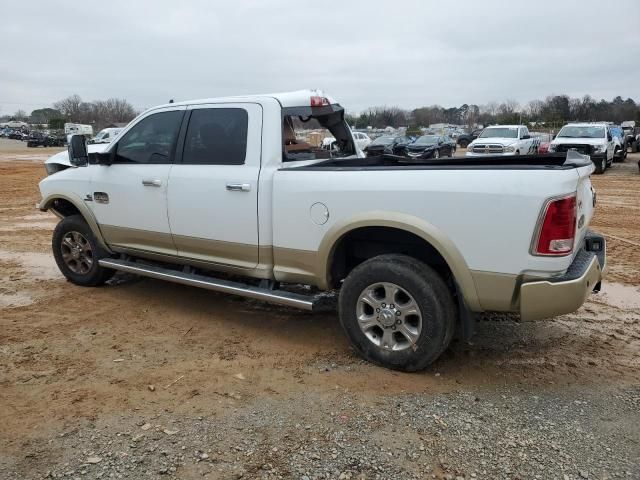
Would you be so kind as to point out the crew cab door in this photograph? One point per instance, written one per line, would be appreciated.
(213, 187)
(527, 144)
(130, 195)
(611, 147)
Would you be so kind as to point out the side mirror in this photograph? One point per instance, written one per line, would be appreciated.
(78, 156)
(526, 137)
(609, 137)
(101, 158)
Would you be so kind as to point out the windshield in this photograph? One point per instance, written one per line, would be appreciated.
(382, 141)
(509, 132)
(427, 140)
(586, 131)
(305, 128)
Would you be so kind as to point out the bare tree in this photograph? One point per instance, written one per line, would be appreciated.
(70, 107)
(20, 115)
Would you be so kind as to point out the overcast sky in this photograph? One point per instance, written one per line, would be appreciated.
(394, 52)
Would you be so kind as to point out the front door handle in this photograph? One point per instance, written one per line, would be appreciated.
(151, 182)
(239, 187)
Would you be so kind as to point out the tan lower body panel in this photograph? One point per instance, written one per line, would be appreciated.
(297, 266)
(134, 238)
(497, 291)
(229, 257)
(229, 253)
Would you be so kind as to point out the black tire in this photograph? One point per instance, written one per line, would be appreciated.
(634, 147)
(617, 155)
(463, 143)
(431, 294)
(85, 275)
(601, 165)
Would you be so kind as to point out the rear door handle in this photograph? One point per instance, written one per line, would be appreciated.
(151, 182)
(239, 187)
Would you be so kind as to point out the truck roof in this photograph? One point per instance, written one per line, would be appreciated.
(505, 126)
(298, 98)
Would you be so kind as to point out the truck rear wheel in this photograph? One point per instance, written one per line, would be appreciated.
(77, 253)
(463, 143)
(397, 312)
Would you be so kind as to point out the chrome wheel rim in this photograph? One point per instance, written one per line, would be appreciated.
(76, 252)
(389, 316)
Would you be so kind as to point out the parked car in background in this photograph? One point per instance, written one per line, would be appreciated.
(631, 133)
(106, 135)
(361, 139)
(45, 139)
(544, 147)
(16, 124)
(593, 139)
(430, 146)
(388, 144)
(619, 143)
(466, 138)
(503, 140)
(18, 135)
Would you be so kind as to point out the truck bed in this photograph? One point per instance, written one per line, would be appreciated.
(558, 161)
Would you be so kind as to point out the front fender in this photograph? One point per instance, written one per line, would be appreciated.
(48, 203)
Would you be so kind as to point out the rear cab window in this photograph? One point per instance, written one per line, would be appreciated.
(315, 133)
(216, 136)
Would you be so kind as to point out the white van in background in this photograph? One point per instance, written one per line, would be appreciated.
(106, 135)
(71, 129)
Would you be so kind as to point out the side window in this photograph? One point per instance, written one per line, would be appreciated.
(151, 140)
(216, 136)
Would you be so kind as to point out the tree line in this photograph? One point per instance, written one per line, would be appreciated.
(98, 113)
(554, 111)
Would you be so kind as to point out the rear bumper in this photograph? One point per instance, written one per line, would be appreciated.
(566, 294)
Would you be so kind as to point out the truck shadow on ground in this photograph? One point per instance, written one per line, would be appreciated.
(565, 349)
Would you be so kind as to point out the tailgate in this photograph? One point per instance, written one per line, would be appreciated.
(585, 203)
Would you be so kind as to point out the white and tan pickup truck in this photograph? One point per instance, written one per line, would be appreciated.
(237, 195)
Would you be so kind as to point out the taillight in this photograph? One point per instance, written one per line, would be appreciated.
(558, 229)
(319, 101)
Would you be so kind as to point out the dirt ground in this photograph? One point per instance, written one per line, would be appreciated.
(142, 379)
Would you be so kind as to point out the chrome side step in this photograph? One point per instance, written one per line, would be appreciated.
(280, 297)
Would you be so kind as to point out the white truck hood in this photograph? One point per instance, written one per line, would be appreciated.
(581, 141)
(62, 158)
(494, 140)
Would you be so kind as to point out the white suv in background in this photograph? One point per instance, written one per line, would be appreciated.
(503, 140)
(593, 139)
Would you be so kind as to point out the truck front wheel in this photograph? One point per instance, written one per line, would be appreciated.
(601, 165)
(77, 253)
(397, 312)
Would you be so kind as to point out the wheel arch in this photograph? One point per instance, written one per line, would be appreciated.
(64, 205)
(403, 224)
